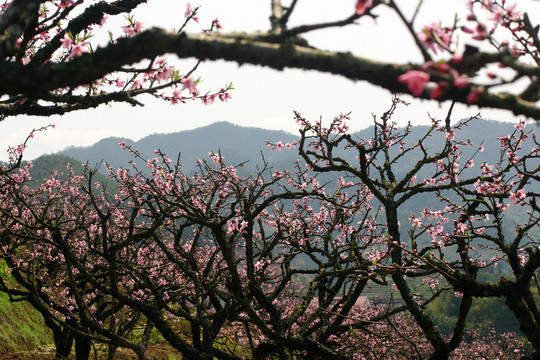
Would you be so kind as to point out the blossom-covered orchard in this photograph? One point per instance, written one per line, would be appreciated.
(273, 264)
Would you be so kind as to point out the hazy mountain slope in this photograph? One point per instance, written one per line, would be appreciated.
(237, 144)
(43, 166)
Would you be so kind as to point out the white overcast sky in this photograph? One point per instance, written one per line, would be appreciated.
(262, 97)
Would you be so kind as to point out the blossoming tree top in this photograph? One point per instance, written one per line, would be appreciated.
(50, 66)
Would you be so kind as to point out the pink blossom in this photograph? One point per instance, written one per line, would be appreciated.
(77, 50)
(467, 30)
(138, 27)
(224, 97)
(481, 33)
(65, 3)
(435, 38)
(217, 24)
(416, 222)
(517, 196)
(277, 174)
(163, 74)
(474, 96)
(415, 80)
(258, 266)
(128, 30)
(461, 228)
(189, 84)
(451, 135)
(440, 164)
(133, 29)
(66, 41)
(521, 125)
(189, 11)
(486, 168)
(230, 227)
(137, 84)
(362, 6)
(208, 99)
(438, 90)
(176, 95)
(120, 83)
(291, 145)
(430, 181)
(216, 158)
(20, 149)
(461, 82)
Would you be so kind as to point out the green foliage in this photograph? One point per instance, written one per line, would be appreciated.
(485, 313)
(22, 326)
(4, 271)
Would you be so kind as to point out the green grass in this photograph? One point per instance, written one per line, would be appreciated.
(22, 327)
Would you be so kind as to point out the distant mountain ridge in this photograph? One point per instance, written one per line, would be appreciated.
(238, 144)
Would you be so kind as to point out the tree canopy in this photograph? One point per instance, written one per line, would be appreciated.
(49, 65)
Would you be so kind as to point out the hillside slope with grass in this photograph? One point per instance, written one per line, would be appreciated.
(22, 327)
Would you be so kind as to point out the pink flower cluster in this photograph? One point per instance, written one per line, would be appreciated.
(77, 48)
(362, 6)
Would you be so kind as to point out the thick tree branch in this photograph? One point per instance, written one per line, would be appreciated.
(21, 16)
(241, 48)
(92, 15)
